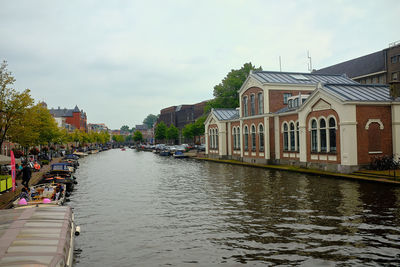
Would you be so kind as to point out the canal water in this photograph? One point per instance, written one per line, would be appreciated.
(140, 209)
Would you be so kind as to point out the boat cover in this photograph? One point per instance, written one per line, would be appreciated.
(39, 236)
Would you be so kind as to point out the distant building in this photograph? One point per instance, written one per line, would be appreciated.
(97, 127)
(147, 133)
(182, 115)
(381, 67)
(70, 118)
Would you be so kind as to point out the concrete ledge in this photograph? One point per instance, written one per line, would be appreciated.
(307, 171)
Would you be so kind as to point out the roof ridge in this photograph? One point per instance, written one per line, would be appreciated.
(301, 73)
(356, 84)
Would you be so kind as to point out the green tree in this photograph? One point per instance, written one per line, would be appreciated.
(226, 93)
(188, 131)
(13, 105)
(137, 136)
(172, 133)
(125, 128)
(161, 131)
(150, 120)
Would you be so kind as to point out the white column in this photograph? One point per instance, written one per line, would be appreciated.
(241, 138)
(277, 137)
(267, 145)
(396, 130)
(229, 132)
(303, 141)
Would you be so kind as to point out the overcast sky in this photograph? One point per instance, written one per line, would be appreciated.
(122, 60)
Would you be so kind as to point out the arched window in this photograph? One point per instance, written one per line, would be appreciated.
(216, 138)
(332, 135)
(252, 105)
(253, 138)
(285, 137)
(261, 136)
(238, 137)
(290, 103)
(260, 103)
(314, 144)
(234, 138)
(296, 102)
(211, 139)
(292, 138)
(322, 134)
(297, 137)
(245, 110)
(246, 138)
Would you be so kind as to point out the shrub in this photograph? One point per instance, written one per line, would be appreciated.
(45, 162)
(381, 163)
(18, 153)
(34, 151)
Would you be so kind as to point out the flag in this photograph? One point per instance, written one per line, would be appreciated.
(13, 170)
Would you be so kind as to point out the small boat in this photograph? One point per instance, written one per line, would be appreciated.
(80, 154)
(42, 194)
(123, 149)
(179, 154)
(38, 236)
(164, 153)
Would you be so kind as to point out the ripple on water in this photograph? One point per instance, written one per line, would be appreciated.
(139, 209)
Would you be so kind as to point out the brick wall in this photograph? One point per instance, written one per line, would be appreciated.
(287, 119)
(382, 138)
(248, 93)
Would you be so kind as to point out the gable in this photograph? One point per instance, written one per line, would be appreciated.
(321, 105)
(248, 83)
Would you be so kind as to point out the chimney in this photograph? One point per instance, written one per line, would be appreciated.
(394, 89)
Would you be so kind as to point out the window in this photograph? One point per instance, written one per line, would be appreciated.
(393, 59)
(246, 138)
(296, 102)
(261, 136)
(253, 105)
(216, 138)
(322, 133)
(245, 110)
(290, 103)
(394, 76)
(260, 103)
(297, 136)
(234, 138)
(314, 144)
(211, 139)
(253, 138)
(285, 137)
(332, 135)
(292, 144)
(238, 137)
(285, 97)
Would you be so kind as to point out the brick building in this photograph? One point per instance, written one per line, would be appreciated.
(381, 67)
(70, 118)
(320, 121)
(147, 133)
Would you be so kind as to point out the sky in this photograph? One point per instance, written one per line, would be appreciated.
(122, 60)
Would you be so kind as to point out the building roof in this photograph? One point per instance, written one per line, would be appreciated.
(359, 92)
(224, 114)
(61, 112)
(141, 127)
(298, 78)
(360, 66)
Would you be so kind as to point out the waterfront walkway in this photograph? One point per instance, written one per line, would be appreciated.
(371, 176)
(7, 198)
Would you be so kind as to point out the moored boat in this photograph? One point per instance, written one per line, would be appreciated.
(37, 236)
(43, 194)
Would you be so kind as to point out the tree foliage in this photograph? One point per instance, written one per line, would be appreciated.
(138, 136)
(226, 93)
(125, 128)
(13, 104)
(172, 133)
(161, 131)
(192, 130)
(150, 120)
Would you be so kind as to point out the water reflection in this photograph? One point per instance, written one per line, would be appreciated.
(137, 208)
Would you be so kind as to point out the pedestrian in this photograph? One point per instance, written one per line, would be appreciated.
(26, 175)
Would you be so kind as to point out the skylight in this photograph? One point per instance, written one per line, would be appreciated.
(299, 77)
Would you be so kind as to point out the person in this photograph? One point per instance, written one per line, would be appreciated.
(26, 175)
(36, 166)
(24, 194)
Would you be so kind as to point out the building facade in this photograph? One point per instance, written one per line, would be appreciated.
(70, 118)
(327, 122)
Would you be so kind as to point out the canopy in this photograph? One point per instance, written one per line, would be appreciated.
(7, 160)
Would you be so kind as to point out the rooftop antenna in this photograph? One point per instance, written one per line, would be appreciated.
(310, 62)
(280, 64)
